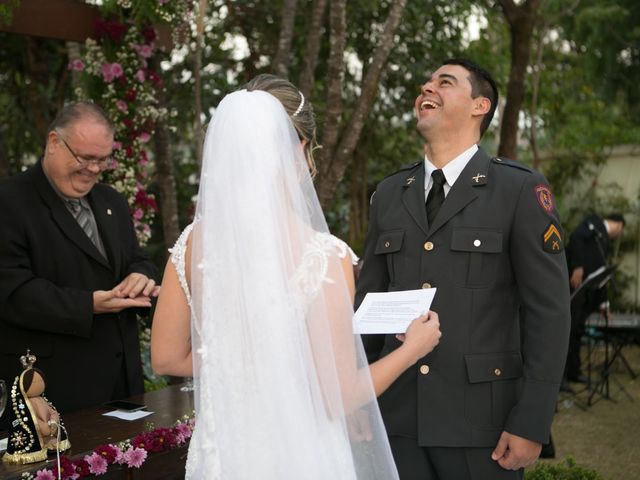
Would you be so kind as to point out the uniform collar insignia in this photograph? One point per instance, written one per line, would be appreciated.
(479, 179)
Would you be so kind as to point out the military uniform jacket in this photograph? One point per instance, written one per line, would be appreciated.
(495, 254)
(48, 271)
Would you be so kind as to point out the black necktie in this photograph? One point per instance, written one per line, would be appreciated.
(435, 199)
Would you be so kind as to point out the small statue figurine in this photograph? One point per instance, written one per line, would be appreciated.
(35, 425)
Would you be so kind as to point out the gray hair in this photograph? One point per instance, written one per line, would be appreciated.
(74, 112)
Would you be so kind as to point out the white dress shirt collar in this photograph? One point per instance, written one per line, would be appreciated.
(451, 170)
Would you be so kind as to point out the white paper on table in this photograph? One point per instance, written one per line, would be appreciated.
(124, 415)
(391, 312)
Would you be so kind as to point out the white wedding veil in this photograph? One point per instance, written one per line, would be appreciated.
(282, 387)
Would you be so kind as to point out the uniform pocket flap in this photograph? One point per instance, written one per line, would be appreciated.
(476, 240)
(389, 242)
(488, 367)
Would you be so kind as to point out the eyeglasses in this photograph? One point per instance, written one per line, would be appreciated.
(103, 163)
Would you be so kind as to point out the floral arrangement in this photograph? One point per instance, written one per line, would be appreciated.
(117, 75)
(132, 453)
(118, 70)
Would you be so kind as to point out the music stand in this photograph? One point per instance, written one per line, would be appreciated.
(579, 303)
(596, 281)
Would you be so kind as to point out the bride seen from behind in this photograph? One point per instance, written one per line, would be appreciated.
(256, 305)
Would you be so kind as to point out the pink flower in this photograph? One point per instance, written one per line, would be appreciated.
(117, 145)
(116, 70)
(119, 455)
(138, 213)
(144, 137)
(107, 75)
(45, 474)
(140, 76)
(122, 105)
(183, 433)
(97, 463)
(145, 51)
(76, 65)
(134, 457)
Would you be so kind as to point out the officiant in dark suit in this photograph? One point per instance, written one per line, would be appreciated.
(485, 232)
(587, 251)
(72, 275)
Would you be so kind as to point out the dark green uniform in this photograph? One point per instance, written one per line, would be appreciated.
(495, 254)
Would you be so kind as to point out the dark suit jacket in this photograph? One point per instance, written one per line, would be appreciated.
(503, 302)
(588, 248)
(48, 271)
(588, 245)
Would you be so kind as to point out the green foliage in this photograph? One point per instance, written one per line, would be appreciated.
(567, 470)
(34, 83)
(6, 11)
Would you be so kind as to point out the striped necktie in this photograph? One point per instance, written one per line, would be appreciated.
(83, 217)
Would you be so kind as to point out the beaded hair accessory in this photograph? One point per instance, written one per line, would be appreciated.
(299, 106)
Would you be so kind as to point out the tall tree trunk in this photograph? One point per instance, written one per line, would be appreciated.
(521, 19)
(312, 48)
(280, 65)
(358, 199)
(335, 81)
(165, 178)
(535, 89)
(335, 166)
(197, 75)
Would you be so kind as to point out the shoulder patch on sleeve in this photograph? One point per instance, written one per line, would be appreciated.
(511, 163)
(544, 197)
(552, 239)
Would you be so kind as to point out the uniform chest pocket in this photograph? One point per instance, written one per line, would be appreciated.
(476, 255)
(389, 244)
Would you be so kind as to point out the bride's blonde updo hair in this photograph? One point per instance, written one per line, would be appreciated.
(299, 109)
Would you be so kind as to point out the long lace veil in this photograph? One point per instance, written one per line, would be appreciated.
(282, 388)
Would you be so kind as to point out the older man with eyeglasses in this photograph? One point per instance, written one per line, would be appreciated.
(72, 275)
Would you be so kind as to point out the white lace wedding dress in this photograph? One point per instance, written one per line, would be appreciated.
(204, 459)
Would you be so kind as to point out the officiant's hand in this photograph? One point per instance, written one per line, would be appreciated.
(576, 277)
(422, 335)
(110, 301)
(137, 284)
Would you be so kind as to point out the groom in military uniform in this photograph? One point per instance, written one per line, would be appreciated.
(485, 232)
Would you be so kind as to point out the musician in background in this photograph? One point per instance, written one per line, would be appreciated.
(587, 251)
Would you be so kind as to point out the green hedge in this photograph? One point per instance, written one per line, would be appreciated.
(567, 470)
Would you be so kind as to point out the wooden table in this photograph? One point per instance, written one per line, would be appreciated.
(89, 428)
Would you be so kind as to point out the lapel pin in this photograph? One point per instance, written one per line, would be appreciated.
(108, 211)
(410, 180)
(478, 177)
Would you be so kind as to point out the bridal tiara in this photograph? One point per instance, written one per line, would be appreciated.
(299, 106)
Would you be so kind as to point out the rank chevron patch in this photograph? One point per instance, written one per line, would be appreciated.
(552, 239)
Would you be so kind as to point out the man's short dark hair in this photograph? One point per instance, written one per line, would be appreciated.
(616, 217)
(482, 85)
(76, 111)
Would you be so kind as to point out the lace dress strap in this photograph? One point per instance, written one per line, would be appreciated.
(178, 259)
(312, 272)
(343, 248)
